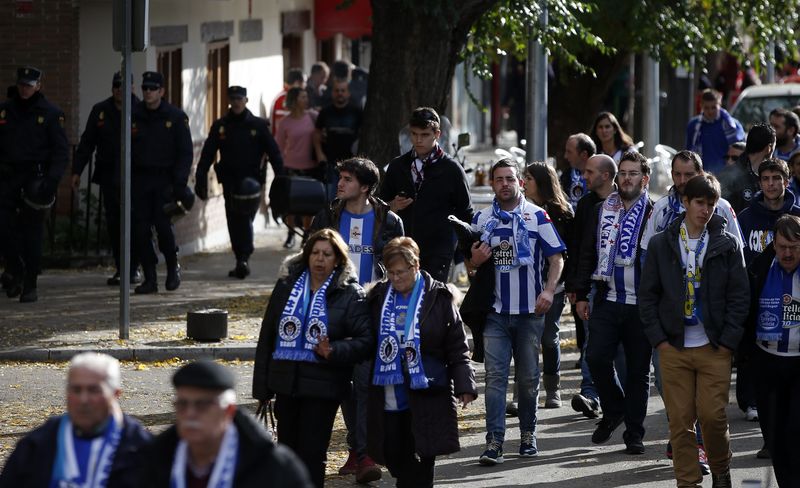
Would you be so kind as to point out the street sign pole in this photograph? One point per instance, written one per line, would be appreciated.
(125, 172)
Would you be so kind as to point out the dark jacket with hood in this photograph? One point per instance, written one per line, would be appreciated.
(725, 295)
(349, 331)
(445, 358)
(758, 223)
(739, 183)
(31, 463)
(387, 226)
(259, 462)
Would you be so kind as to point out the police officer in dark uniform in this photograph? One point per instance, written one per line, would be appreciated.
(161, 161)
(33, 156)
(242, 140)
(102, 137)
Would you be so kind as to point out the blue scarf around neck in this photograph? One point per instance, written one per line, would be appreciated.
(522, 244)
(298, 333)
(66, 471)
(777, 305)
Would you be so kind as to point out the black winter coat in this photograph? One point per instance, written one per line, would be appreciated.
(31, 463)
(443, 192)
(387, 226)
(725, 295)
(348, 329)
(260, 462)
(434, 411)
(161, 142)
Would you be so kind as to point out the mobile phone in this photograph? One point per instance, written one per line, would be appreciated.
(403, 193)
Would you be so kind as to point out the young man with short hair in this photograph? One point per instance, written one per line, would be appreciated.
(694, 315)
(424, 186)
(366, 224)
(739, 181)
(516, 238)
(711, 132)
(610, 258)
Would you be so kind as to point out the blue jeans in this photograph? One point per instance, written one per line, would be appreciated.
(551, 346)
(610, 325)
(506, 335)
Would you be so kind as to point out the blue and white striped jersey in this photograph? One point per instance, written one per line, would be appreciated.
(357, 231)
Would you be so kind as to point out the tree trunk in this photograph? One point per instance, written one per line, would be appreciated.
(414, 54)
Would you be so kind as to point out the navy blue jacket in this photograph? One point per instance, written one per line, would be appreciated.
(31, 463)
(242, 140)
(32, 137)
(758, 223)
(102, 137)
(161, 141)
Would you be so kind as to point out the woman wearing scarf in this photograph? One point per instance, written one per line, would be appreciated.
(774, 326)
(421, 367)
(315, 329)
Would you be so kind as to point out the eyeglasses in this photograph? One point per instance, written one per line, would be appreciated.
(399, 273)
(791, 248)
(201, 405)
(150, 88)
(629, 174)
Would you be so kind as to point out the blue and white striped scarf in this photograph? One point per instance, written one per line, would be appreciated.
(298, 333)
(224, 466)
(66, 472)
(781, 289)
(618, 234)
(523, 255)
(728, 128)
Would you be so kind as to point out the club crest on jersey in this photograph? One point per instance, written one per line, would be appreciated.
(289, 328)
(747, 194)
(355, 232)
(526, 217)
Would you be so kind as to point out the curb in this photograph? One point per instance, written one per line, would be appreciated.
(246, 352)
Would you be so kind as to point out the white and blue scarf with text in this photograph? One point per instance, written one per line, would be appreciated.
(224, 467)
(728, 128)
(778, 308)
(522, 244)
(388, 364)
(618, 234)
(66, 472)
(300, 327)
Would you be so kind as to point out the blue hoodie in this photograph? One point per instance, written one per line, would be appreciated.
(758, 223)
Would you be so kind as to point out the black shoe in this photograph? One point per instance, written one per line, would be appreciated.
(136, 277)
(114, 280)
(721, 480)
(5, 280)
(512, 409)
(28, 295)
(587, 406)
(605, 428)
(241, 271)
(289, 242)
(763, 453)
(634, 446)
(173, 277)
(14, 287)
(147, 287)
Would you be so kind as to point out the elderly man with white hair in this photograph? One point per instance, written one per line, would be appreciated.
(215, 444)
(93, 445)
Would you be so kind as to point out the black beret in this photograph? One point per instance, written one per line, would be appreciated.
(204, 374)
(237, 91)
(28, 75)
(152, 79)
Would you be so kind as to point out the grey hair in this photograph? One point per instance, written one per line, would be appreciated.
(99, 363)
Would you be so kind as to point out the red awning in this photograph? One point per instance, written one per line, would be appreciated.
(354, 21)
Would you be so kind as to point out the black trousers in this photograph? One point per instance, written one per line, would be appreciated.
(148, 196)
(305, 426)
(778, 397)
(240, 229)
(21, 230)
(411, 471)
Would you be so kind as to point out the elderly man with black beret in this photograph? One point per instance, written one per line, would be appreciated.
(215, 444)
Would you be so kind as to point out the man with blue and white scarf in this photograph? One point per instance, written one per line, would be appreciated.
(93, 445)
(517, 237)
(610, 256)
(711, 132)
(214, 444)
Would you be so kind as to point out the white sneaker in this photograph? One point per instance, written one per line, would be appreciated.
(751, 414)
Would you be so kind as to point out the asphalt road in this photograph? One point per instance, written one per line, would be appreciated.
(29, 392)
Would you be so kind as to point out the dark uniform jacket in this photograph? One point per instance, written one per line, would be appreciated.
(102, 134)
(739, 183)
(444, 191)
(387, 226)
(32, 139)
(31, 463)
(348, 329)
(724, 296)
(260, 462)
(444, 351)
(242, 140)
(161, 143)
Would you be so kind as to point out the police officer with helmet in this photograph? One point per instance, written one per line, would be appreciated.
(161, 160)
(102, 138)
(242, 140)
(33, 156)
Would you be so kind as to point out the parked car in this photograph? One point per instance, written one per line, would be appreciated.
(756, 102)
